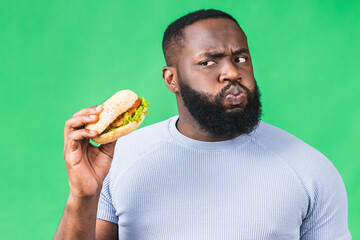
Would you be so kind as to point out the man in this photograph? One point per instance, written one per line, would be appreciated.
(214, 171)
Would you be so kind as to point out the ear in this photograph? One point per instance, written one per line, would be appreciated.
(169, 75)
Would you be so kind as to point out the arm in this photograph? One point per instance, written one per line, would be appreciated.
(327, 215)
(84, 211)
(106, 230)
(87, 167)
(79, 219)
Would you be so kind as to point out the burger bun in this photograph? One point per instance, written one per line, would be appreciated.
(119, 103)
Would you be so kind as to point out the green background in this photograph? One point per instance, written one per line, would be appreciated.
(57, 57)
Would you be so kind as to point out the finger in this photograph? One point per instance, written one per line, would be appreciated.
(90, 110)
(74, 138)
(108, 148)
(79, 121)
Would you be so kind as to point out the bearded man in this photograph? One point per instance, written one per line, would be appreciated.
(215, 171)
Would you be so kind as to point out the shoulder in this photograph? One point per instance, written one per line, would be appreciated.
(142, 140)
(132, 147)
(287, 146)
(314, 170)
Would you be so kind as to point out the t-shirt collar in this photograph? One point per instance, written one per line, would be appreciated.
(196, 144)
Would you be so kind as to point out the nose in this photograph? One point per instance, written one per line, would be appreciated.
(230, 72)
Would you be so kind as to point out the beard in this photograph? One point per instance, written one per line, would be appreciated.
(215, 119)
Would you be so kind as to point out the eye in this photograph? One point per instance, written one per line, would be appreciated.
(241, 59)
(207, 63)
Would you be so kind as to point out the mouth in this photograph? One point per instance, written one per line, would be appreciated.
(235, 96)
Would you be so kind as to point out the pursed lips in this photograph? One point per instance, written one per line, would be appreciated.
(235, 95)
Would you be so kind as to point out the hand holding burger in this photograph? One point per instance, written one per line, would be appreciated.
(86, 164)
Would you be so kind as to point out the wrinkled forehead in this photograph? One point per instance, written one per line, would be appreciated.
(215, 34)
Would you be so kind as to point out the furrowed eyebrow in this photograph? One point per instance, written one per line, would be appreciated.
(240, 51)
(220, 54)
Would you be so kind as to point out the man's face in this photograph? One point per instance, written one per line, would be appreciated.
(216, 79)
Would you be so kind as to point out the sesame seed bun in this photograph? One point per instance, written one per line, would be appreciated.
(119, 103)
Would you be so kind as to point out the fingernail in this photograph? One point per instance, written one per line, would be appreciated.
(93, 132)
(92, 116)
(99, 107)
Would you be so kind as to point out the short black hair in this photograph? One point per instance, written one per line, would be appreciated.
(174, 37)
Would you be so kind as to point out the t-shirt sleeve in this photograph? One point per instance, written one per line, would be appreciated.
(328, 211)
(106, 210)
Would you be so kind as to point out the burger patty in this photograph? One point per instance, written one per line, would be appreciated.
(119, 121)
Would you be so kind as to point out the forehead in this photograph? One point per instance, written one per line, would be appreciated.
(214, 34)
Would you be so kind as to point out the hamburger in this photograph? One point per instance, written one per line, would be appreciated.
(122, 113)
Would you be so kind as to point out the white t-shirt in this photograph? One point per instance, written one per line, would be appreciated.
(264, 185)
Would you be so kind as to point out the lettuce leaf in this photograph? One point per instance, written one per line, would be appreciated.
(143, 108)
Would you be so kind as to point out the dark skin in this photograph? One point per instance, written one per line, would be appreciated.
(215, 55)
(87, 166)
